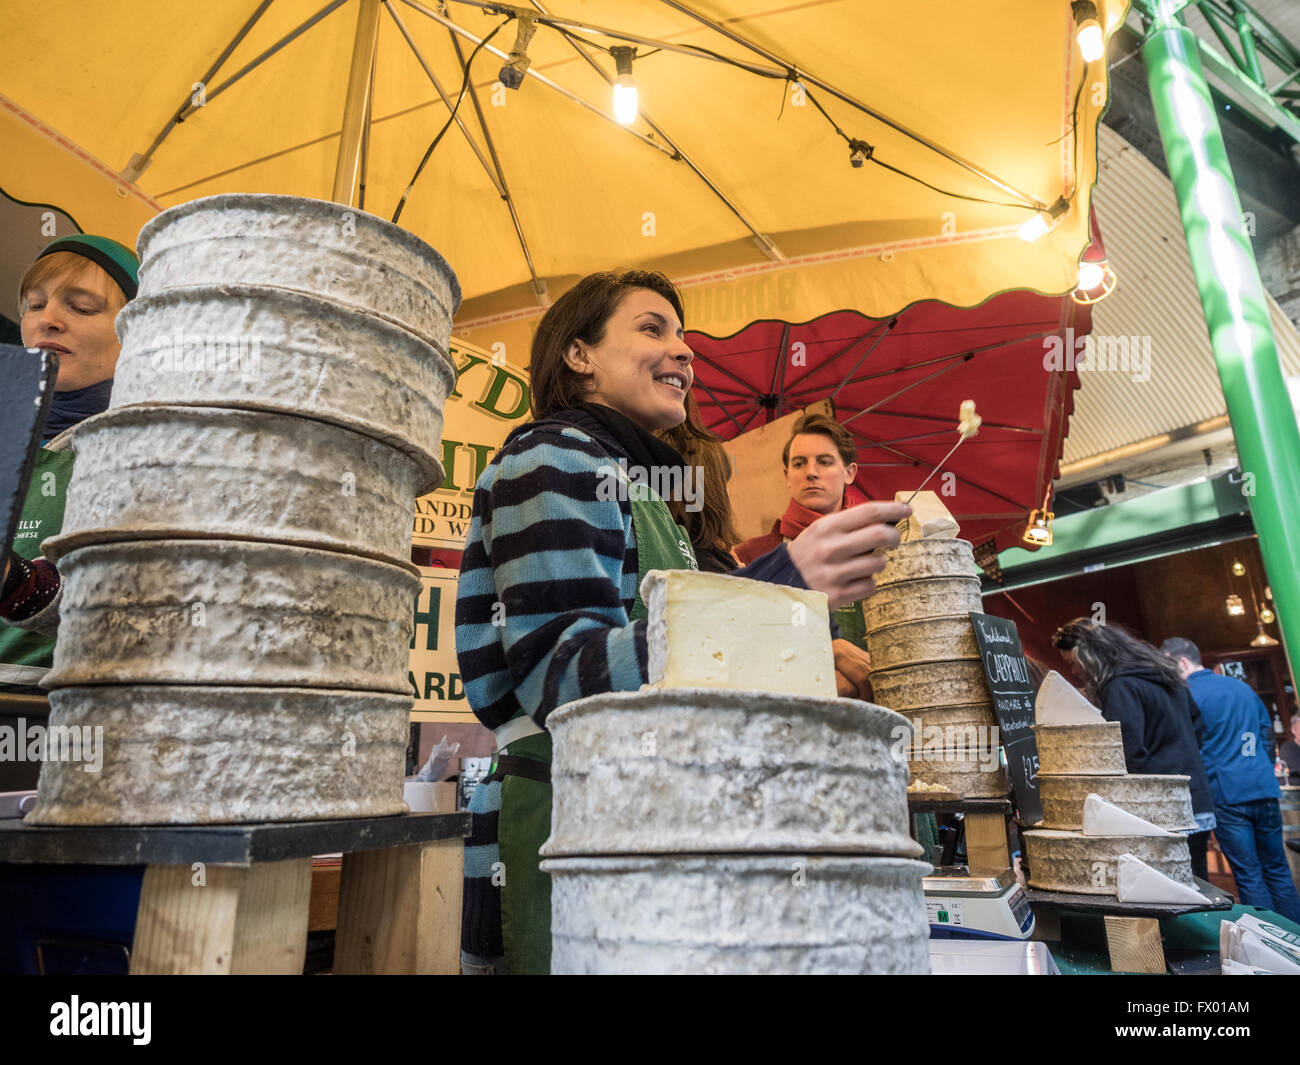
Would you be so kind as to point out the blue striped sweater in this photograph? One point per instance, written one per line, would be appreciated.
(548, 579)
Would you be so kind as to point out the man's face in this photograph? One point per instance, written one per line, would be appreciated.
(1187, 667)
(816, 475)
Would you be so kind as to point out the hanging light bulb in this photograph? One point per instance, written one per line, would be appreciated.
(1039, 530)
(1263, 640)
(1238, 568)
(1092, 41)
(1043, 221)
(625, 96)
(1267, 616)
(1235, 606)
(1091, 275)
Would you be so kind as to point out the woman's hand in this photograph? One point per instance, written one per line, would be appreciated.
(852, 670)
(835, 553)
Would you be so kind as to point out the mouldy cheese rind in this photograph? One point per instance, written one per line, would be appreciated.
(211, 755)
(738, 914)
(232, 612)
(313, 246)
(685, 770)
(146, 473)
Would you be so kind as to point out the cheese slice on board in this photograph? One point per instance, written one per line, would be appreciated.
(1059, 703)
(708, 630)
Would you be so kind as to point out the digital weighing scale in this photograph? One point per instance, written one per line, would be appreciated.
(961, 906)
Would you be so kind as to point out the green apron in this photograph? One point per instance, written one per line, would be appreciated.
(525, 818)
(42, 517)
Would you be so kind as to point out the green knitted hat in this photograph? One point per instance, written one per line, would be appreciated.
(117, 260)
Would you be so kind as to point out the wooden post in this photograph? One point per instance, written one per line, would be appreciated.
(399, 910)
(986, 844)
(213, 919)
(1135, 945)
(356, 102)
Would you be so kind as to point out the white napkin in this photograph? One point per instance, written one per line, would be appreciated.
(1138, 882)
(1102, 818)
(930, 519)
(1259, 945)
(1059, 703)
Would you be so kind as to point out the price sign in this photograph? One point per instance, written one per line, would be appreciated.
(1007, 673)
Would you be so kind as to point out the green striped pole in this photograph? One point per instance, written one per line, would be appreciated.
(1236, 311)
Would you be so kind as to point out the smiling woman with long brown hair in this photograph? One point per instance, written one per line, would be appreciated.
(548, 608)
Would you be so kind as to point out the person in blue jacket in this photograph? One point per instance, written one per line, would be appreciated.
(1238, 752)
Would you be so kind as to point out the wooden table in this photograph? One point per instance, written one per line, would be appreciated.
(234, 898)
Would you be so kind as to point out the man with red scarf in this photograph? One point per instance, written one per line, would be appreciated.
(820, 464)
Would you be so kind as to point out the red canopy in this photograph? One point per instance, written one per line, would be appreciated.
(897, 385)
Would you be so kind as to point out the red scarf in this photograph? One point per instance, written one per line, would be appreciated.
(796, 518)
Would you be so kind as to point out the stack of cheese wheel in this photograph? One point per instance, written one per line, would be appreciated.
(926, 665)
(237, 602)
(733, 816)
(1080, 754)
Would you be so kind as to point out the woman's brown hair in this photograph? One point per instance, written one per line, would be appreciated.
(582, 314)
(713, 525)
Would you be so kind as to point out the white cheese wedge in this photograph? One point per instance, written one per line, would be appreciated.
(1059, 703)
(930, 519)
(708, 630)
(1102, 818)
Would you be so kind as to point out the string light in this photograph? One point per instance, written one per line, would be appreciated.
(625, 97)
(1236, 608)
(1091, 39)
(1043, 221)
(1039, 530)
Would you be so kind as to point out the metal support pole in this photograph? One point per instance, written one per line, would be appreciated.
(357, 103)
(1236, 311)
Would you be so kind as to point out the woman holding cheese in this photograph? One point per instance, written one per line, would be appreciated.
(548, 609)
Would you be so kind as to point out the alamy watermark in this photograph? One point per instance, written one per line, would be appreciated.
(977, 744)
(1096, 353)
(673, 484)
(53, 743)
(182, 352)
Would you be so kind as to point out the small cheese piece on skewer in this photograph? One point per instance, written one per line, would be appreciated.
(707, 630)
(930, 518)
(970, 421)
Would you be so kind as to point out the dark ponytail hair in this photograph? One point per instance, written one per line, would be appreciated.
(1104, 651)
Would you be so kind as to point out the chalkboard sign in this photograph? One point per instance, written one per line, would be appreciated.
(1007, 674)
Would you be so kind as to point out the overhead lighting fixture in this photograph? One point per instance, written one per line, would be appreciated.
(1043, 221)
(859, 153)
(1267, 616)
(1236, 608)
(1092, 41)
(1096, 281)
(1238, 568)
(1263, 640)
(625, 96)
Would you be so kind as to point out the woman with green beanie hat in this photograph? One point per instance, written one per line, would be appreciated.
(69, 300)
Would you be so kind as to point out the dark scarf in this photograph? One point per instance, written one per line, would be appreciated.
(72, 408)
(642, 448)
(796, 518)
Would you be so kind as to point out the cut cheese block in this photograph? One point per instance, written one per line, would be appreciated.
(930, 518)
(1083, 750)
(1059, 703)
(1163, 800)
(708, 630)
(1089, 865)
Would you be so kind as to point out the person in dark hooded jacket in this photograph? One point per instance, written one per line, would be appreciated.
(1161, 725)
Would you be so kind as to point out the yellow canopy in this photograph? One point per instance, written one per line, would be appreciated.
(731, 180)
